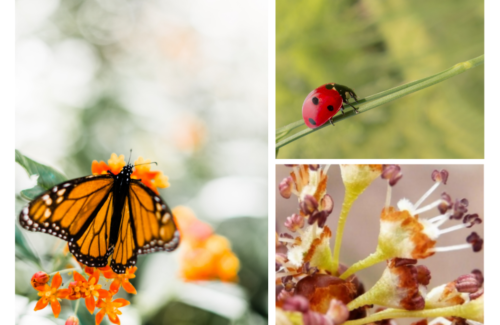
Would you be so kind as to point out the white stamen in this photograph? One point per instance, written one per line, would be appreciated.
(442, 219)
(450, 229)
(439, 218)
(426, 195)
(296, 170)
(427, 207)
(388, 196)
(286, 240)
(452, 248)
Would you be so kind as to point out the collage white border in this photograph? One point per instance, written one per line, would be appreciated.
(491, 161)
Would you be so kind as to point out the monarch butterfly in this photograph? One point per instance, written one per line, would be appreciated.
(102, 216)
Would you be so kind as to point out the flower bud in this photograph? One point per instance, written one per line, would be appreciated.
(39, 280)
(286, 187)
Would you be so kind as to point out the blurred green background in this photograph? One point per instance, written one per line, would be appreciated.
(371, 46)
(162, 78)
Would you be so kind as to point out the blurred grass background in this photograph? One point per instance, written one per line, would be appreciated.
(163, 78)
(372, 46)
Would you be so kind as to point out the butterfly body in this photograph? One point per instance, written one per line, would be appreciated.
(104, 216)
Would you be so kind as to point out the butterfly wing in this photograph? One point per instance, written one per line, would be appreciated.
(147, 226)
(78, 211)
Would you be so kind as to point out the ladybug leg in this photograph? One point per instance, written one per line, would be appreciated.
(355, 109)
(331, 121)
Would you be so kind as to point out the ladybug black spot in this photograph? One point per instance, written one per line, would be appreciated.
(330, 108)
(329, 86)
(312, 121)
(315, 100)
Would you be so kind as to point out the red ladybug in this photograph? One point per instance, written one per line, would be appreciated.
(324, 102)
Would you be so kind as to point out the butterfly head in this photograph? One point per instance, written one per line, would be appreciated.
(127, 170)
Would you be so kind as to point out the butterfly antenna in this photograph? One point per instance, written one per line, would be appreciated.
(154, 162)
(130, 156)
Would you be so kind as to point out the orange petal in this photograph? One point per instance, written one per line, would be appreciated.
(56, 308)
(99, 316)
(115, 286)
(78, 277)
(128, 287)
(62, 293)
(90, 303)
(41, 304)
(122, 302)
(56, 280)
(94, 278)
(103, 294)
(99, 168)
(114, 319)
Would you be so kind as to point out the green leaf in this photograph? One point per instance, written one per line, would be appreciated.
(32, 193)
(24, 250)
(47, 176)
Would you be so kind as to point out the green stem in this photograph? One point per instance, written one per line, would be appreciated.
(382, 98)
(346, 207)
(77, 304)
(372, 259)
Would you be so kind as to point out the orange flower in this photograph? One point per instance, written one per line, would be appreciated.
(110, 308)
(81, 288)
(115, 165)
(51, 294)
(121, 280)
(204, 255)
(152, 179)
(39, 280)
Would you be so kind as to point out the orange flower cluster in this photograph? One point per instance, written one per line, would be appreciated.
(204, 254)
(152, 179)
(88, 289)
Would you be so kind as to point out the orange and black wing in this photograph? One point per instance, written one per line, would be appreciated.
(78, 211)
(147, 226)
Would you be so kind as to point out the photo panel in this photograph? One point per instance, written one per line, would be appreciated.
(415, 68)
(379, 244)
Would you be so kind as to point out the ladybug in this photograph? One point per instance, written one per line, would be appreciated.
(324, 102)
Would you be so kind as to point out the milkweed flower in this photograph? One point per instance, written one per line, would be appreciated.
(142, 171)
(86, 289)
(204, 254)
(110, 307)
(121, 279)
(51, 294)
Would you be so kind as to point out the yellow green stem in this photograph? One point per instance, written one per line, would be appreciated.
(372, 259)
(470, 310)
(349, 199)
